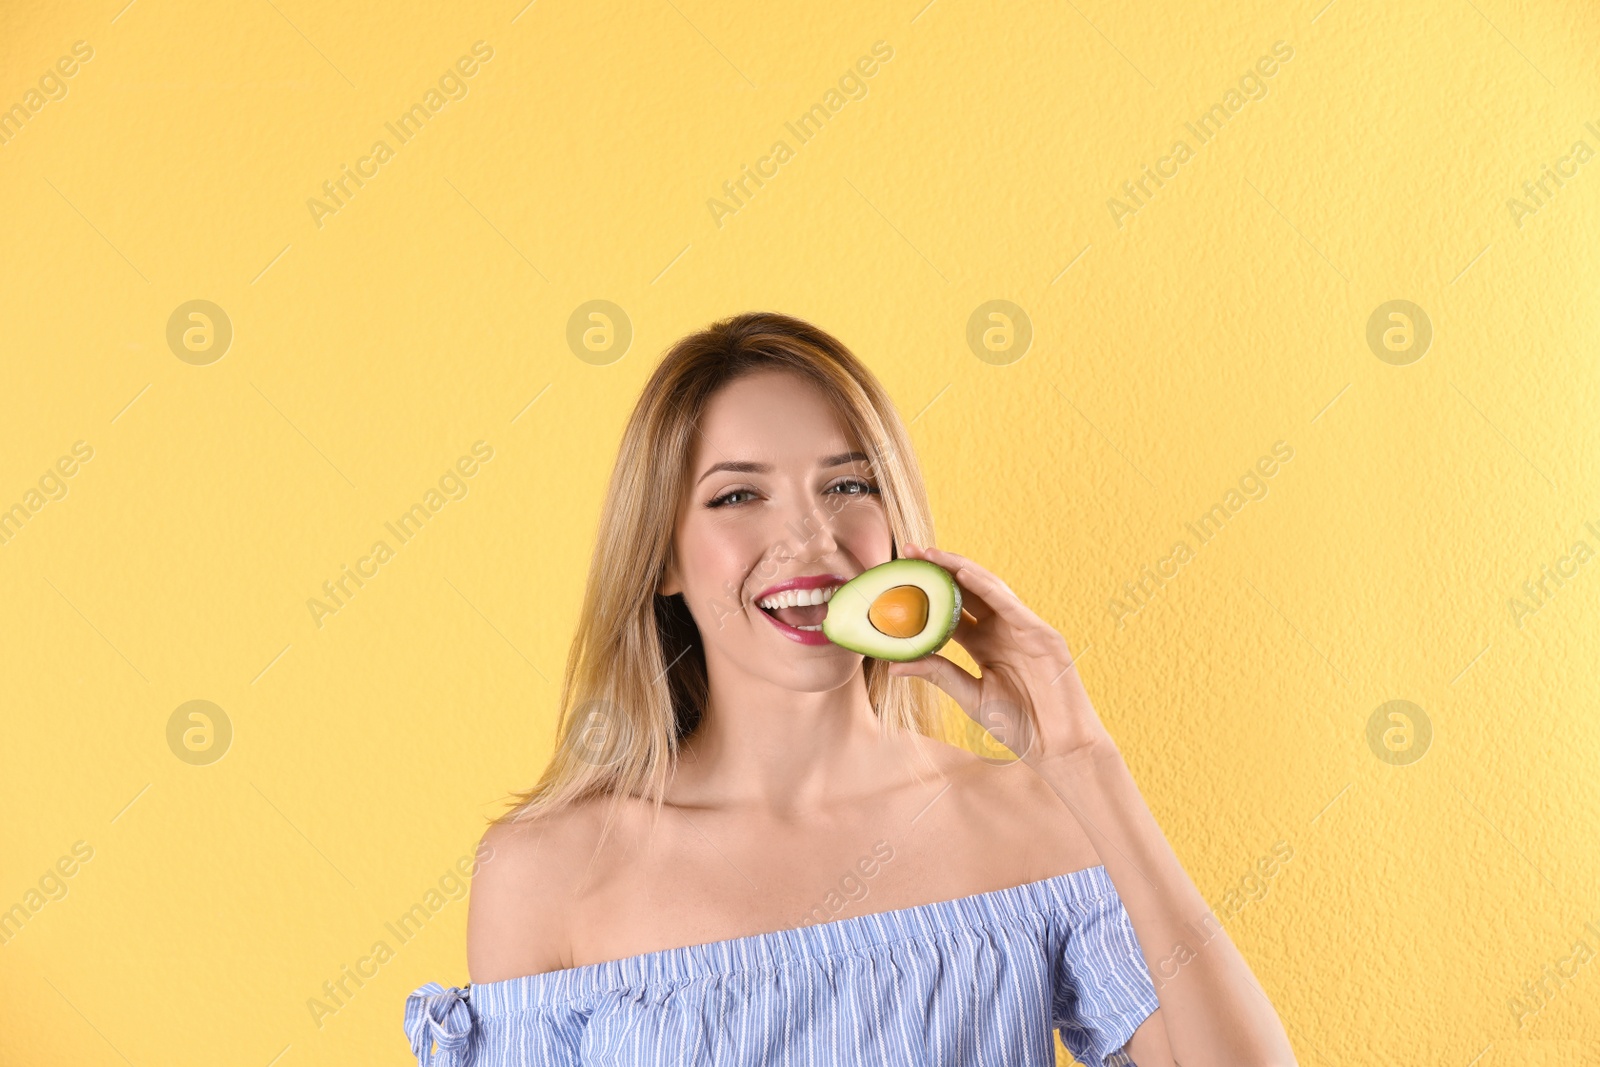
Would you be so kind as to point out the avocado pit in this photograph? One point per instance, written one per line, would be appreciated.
(901, 611)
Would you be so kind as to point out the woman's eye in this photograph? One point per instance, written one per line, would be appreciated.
(853, 487)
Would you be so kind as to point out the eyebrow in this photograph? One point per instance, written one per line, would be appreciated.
(747, 467)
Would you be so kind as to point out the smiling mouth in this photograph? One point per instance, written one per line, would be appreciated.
(803, 609)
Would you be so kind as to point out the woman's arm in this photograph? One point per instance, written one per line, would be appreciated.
(1031, 699)
(1212, 1009)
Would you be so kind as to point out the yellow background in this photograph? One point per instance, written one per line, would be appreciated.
(1168, 355)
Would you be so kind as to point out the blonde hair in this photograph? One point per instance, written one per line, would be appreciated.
(619, 728)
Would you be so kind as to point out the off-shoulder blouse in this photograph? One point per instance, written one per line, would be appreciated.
(978, 980)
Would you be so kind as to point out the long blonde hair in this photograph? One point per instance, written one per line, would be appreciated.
(619, 727)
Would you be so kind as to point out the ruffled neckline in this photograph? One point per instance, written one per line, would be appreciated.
(776, 948)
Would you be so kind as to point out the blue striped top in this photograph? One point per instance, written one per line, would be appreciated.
(979, 980)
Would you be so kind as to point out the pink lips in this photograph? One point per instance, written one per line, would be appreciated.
(809, 581)
(804, 581)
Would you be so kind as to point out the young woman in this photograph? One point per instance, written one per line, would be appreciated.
(751, 848)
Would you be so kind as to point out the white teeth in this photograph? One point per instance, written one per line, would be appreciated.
(808, 627)
(792, 598)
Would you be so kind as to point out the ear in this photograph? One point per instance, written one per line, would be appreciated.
(669, 580)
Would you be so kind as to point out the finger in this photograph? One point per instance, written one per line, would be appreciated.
(944, 673)
(966, 628)
(970, 600)
(995, 593)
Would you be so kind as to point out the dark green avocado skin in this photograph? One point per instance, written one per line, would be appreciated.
(847, 626)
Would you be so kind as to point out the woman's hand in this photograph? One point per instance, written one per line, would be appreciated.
(1029, 696)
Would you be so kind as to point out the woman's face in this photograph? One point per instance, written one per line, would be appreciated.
(777, 493)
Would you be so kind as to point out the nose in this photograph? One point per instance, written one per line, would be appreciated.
(808, 532)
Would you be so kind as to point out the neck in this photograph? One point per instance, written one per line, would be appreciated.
(781, 751)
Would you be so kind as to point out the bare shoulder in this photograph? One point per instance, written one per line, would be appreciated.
(1015, 810)
(523, 891)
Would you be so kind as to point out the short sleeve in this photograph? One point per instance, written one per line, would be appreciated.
(497, 1025)
(1102, 986)
(439, 1022)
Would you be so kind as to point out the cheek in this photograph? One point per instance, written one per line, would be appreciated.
(717, 552)
(864, 532)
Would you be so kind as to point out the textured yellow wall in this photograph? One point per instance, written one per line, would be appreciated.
(1442, 864)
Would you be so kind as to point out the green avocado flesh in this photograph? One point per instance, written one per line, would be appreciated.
(850, 619)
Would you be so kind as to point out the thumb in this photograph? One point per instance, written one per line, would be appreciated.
(945, 673)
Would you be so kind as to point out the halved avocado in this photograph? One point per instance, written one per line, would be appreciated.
(901, 610)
